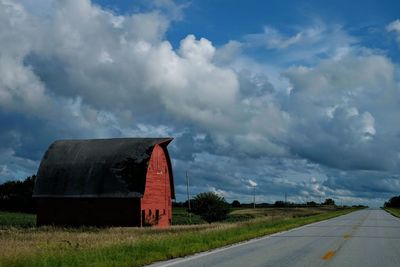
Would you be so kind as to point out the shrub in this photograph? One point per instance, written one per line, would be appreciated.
(236, 204)
(312, 204)
(210, 207)
(329, 201)
(279, 204)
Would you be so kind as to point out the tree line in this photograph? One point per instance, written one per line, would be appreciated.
(17, 195)
(211, 207)
(393, 202)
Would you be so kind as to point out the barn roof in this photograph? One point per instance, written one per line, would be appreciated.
(97, 167)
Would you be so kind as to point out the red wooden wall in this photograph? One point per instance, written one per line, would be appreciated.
(156, 204)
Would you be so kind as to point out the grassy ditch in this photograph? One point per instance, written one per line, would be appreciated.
(393, 211)
(134, 246)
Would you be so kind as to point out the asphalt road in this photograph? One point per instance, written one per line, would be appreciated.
(362, 238)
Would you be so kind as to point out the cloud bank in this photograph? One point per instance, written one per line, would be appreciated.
(318, 123)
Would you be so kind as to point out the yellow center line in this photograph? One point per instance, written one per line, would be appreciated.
(328, 255)
(346, 236)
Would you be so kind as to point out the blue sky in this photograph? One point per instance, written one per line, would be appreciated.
(224, 20)
(297, 97)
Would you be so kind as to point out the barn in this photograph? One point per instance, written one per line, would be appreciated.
(105, 182)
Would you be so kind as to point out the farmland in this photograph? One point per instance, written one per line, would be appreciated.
(23, 245)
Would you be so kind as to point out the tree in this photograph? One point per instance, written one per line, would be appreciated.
(236, 204)
(279, 204)
(17, 195)
(210, 207)
(312, 204)
(329, 201)
(393, 202)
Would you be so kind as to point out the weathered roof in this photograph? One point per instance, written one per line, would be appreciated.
(97, 167)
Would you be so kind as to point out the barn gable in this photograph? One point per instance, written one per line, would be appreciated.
(113, 168)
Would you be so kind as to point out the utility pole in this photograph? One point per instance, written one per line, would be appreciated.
(188, 197)
(187, 190)
(285, 199)
(254, 197)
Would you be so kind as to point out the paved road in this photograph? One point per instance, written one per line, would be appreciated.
(362, 238)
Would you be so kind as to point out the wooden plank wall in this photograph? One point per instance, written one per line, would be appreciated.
(156, 204)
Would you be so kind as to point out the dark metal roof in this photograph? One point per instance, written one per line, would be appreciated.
(97, 167)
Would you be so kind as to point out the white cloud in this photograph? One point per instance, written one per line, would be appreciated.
(271, 38)
(274, 39)
(228, 52)
(342, 106)
(308, 44)
(251, 182)
(105, 57)
(139, 73)
(394, 26)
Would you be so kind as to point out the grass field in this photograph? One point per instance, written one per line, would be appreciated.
(49, 246)
(393, 211)
(181, 217)
(15, 219)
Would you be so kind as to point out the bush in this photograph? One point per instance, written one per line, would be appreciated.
(312, 204)
(210, 207)
(236, 204)
(279, 204)
(329, 201)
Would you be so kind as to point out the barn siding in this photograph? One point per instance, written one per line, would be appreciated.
(88, 211)
(157, 195)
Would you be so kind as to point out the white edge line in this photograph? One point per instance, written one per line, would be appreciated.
(179, 260)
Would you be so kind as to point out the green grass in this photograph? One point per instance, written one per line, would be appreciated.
(162, 244)
(15, 219)
(181, 217)
(393, 211)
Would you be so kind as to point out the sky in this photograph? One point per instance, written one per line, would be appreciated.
(293, 97)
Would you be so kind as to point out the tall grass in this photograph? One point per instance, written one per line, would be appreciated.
(181, 217)
(137, 247)
(393, 211)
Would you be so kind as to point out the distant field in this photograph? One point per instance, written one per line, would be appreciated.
(393, 211)
(181, 217)
(49, 246)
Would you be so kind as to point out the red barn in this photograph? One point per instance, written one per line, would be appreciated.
(105, 182)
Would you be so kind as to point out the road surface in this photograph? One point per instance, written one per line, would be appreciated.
(362, 238)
